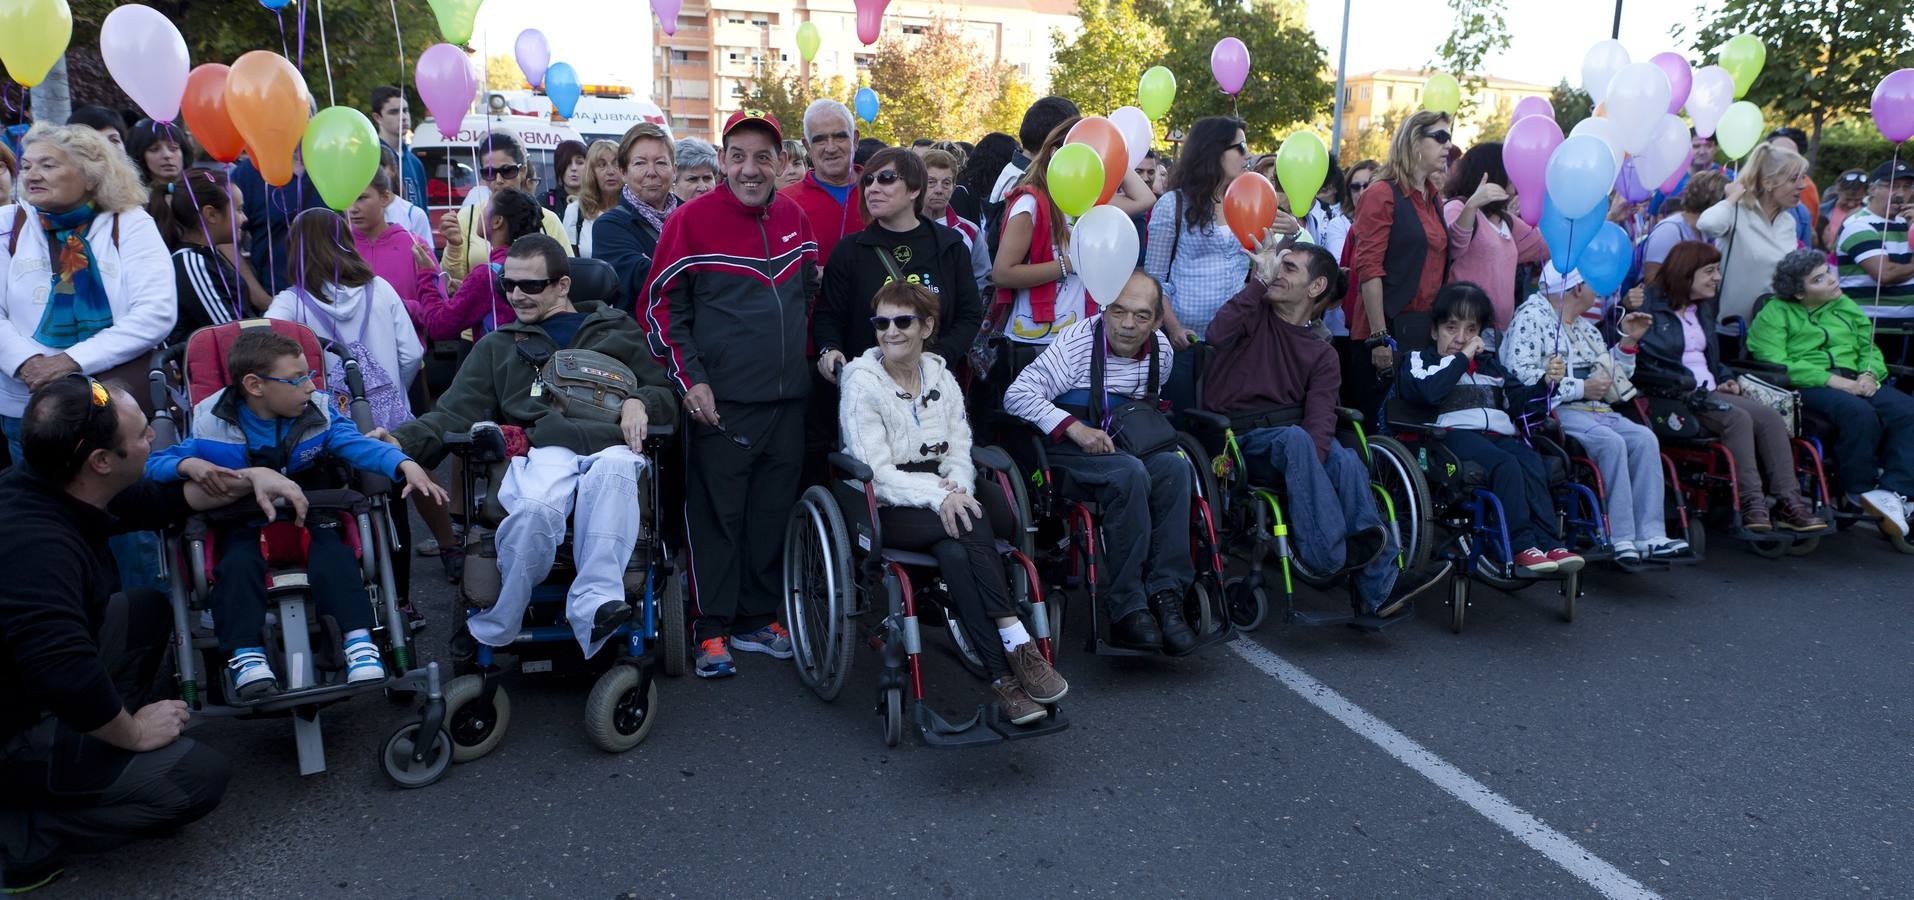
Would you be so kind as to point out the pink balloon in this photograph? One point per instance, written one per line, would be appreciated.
(147, 58)
(1674, 181)
(667, 11)
(534, 53)
(447, 86)
(1894, 105)
(870, 20)
(1680, 77)
(1532, 106)
(1229, 62)
(1525, 154)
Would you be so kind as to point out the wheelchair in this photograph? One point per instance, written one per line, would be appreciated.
(305, 648)
(838, 573)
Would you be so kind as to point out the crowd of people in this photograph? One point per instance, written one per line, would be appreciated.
(795, 290)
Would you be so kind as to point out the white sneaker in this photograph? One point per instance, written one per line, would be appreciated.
(1891, 508)
(252, 676)
(363, 663)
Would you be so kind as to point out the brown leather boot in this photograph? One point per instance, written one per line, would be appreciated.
(1754, 514)
(1795, 514)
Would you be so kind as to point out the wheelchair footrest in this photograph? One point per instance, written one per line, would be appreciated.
(985, 726)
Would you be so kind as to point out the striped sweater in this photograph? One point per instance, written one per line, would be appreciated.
(1065, 366)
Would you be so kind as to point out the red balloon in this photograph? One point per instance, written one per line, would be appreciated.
(204, 109)
(1249, 206)
(1106, 139)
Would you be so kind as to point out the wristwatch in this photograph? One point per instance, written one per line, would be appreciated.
(1377, 339)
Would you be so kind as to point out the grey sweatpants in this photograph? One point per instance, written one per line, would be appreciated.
(1629, 458)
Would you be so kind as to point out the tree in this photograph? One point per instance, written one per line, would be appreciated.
(1100, 67)
(1824, 56)
(784, 95)
(930, 85)
(502, 74)
(1495, 123)
(1480, 29)
(1572, 105)
(1007, 107)
(1373, 143)
(1286, 85)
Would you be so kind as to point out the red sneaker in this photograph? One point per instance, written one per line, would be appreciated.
(1566, 560)
(1535, 561)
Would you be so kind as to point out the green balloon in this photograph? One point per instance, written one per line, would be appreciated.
(1301, 166)
(1442, 94)
(1740, 129)
(1743, 56)
(807, 41)
(455, 18)
(341, 151)
(1075, 178)
(1156, 91)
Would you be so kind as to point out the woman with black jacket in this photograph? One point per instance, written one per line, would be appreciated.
(899, 244)
(1679, 357)
(626, 235)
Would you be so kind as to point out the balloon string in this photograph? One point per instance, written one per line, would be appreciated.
(283, 49)
(187, 183)
(325, 53)
(399, 37)
(302, 39)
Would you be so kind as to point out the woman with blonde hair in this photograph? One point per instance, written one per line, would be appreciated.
(1756, 224)
(1397, 250)
(627, 233)
(597, 192)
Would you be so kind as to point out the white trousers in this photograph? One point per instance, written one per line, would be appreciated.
(540, 491)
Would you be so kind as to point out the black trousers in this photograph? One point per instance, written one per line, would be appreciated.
(238, 597)
(62, 791)
(970, 566)
(736, 503)
(1519, 478)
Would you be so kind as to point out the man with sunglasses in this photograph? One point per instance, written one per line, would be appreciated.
(830, 194)
(91, 756)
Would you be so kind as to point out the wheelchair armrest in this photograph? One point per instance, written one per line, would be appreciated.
(1773, 373)
(1739, 324)
(661, 431)
(851, 466)
(1206, 420)
(457, 441)
(1895, 371)
(993, 459)
(1422, 428)
(1348, 416)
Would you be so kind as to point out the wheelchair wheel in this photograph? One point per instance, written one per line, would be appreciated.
(395, 757)
(1199, 609)
(1458, 601)
(1571, 591)
(1203, 478)
(674, 643)
(818, 592)
(621, 709)
(893, 716)
(476, 727)
(1394, 468)
(1769, 549)
(1804, 546)
(1247, 607)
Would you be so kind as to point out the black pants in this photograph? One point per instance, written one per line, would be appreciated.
(1519, 478)
(239, 595)
(736, 503)
(64, 792)
(971, 568)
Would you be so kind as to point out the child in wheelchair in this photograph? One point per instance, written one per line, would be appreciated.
(269, 415)
(1472, 396)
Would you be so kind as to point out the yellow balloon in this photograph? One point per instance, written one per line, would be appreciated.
(1743, 56)
(807, 41)
(1442, 94)
(33, 36)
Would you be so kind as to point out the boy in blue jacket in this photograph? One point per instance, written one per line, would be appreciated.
(269, 416)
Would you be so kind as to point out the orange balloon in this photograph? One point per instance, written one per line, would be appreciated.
(1106, 139)
(1250, 208)
(204, 109)
(267, 101)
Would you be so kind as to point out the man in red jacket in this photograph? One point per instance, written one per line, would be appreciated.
(829, 194)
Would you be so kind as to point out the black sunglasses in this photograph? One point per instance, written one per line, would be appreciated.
(886, 177)
(883, 323)
(1439, 136)
(511, 171)
(1357, 186)
(1240, 147)
(529, 285)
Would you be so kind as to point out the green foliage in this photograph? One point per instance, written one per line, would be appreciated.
(931, 85)
(1495, 122)
(1100, 67)
(503, 74)
(1479, 30)
(1374, 142)
(782, 94)
(1006, 109)
(1572, 105)
(1853, 144)
(1287, 86)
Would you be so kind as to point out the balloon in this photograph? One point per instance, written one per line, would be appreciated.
(534, 55)
(866, 103)
(1604, 263)
(667, 12)
(341, 153)
(455, 18)
(807, 40)
(1893, 105)
(147, 59)
(1743, 56)
(268, 102)
(870, 20)
(1155, 91)
(1740, 129)
(204, 108)
(274, 5)
(447, 85)
(1442, 94)
(1599, 65)
(1301, 164)
(1637, 99)
(33, 36)
(1103, 250)
(1662, 158)
(1532, 106)
(561, 85)
(1709, 97)
(1580, 172)
(1566, 237)
(1603, 130)
(1075, 177)
(1681, 77)
(1249, 206)
(1629, 185)
(1137, 133)
(1100, 135)
(1229, 63)
(1672, 182)
(1525, 153)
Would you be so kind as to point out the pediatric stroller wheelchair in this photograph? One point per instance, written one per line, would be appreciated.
(304, 647)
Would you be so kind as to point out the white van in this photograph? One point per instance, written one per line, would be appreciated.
(603, 113)
(451, 166)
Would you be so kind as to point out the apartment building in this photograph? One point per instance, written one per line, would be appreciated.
(1369, 96)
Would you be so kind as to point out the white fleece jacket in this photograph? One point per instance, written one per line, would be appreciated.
(883, 430)
(388, 329)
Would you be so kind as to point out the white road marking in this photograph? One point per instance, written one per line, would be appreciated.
(1558, 847)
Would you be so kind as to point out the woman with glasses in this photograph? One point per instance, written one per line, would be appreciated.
(503, 167)
(1400, 246)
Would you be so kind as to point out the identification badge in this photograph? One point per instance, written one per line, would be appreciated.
(538, 389)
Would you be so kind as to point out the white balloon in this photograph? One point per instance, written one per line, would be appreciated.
(1137, 132)
(1665, 151)
(1604, 131)
(1103, 250)
(1637, 99)
(147, 58)
(1709, 97)
(1600, 65)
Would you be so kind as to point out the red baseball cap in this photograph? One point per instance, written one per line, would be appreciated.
(753, 117)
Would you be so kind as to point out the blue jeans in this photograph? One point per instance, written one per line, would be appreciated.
(1145, 516)
(1326, 502)
(137, 553)
(1873, 442)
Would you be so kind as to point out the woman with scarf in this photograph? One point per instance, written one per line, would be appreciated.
(626, 235)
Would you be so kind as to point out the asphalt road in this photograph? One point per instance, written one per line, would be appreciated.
(1734, 729)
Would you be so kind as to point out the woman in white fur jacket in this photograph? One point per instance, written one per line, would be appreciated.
(902, 414)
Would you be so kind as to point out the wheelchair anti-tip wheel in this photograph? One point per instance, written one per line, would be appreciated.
(818, 592)
(621, 709)
(395, 757)
(1247, 607)
(475, 726)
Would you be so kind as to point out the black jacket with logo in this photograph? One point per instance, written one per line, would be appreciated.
(931, 255)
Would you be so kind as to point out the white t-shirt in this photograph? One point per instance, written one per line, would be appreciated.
(1070, 295)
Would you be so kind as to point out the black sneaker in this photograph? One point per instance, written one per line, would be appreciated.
(1411, 585)
(610, 616)
(1137, 631)
(1178, 639)
(21, 879)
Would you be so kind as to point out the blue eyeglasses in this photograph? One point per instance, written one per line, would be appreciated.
(295, 382)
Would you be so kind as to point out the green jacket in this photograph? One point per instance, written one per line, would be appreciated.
(495, 384)
(1813, 342)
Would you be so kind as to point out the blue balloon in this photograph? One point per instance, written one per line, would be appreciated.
(866, 104)
(1604, 262)
(1580, 173)
(561, 85)
(274, 5)
(1566, 237)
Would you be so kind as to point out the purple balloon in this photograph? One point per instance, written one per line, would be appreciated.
(534, 54)
(1629, 185)
(1681, 172)
(1229, 62)
(1681, 77)
(667, 11)
(1525, 153)
(1894, 105)
(1532, 106)
(447, 85)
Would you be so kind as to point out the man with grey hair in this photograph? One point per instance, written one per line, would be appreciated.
(697, 164)
(829, 194)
